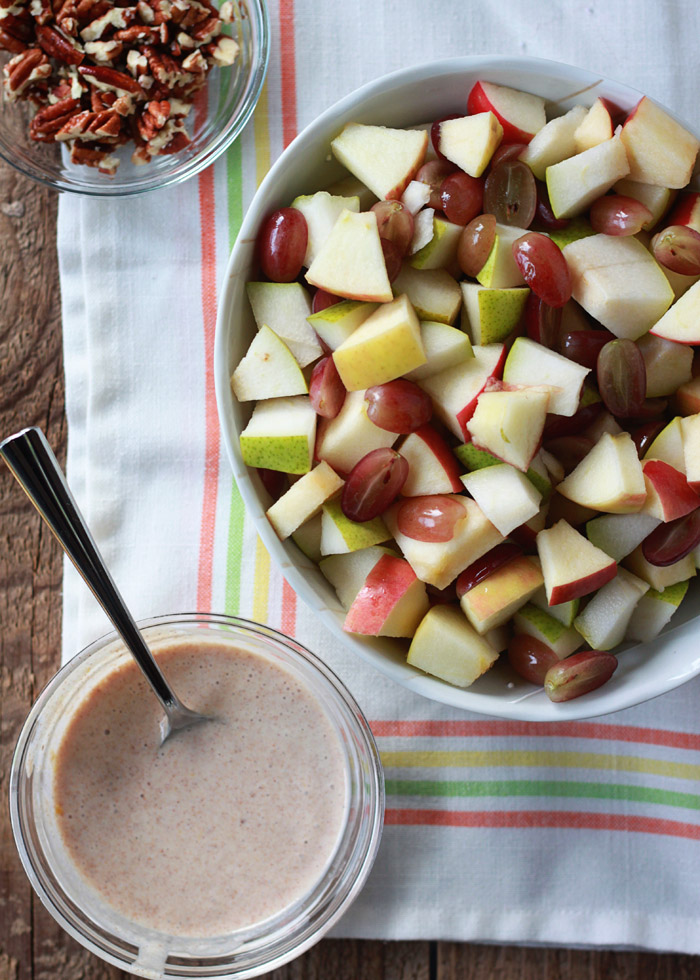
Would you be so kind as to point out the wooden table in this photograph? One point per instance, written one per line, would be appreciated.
(32, 946)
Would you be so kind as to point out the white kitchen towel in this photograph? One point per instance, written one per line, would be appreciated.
(580, 833)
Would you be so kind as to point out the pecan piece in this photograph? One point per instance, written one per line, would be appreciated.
(222, 52)
(152, 119)
(11, 43)
(115, 17)
(91, 126)
(138, 34)
(90, 157)
(24, 69)
(47, 122)
(207, 30)
(58, 47)
(111, 78)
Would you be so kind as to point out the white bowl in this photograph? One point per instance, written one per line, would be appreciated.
(411, 96)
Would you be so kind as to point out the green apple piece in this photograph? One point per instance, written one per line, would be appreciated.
(268, 370)
(660, 577)
(477, 459)
(307, 538)
(609, 478)
(350, 263)
(447, 646)
(441, 251)
(391, 602)
(619, 534)
(284, 307)
(668, 445)
(534, 621)
(654, 611)
(434, 294)
(470, 141)
(681, 323)
(619, 283)
(350, 186)
(384, 159)
(444, 347)
(321, 211)
(544, 472)
(509, 424)
(280, 435)
(659, 149)
(575, 183)
(344, 440)
(595, 128)
(494, 600)
(604, 621)
(577, 229)
(490, 315)
(335, 324)
(304, 499)
(384, 347)
(339, 534)
(657, 199)
(500, 271)
(505, 495)
(554, 142)
(347, 572)
(565, 613)
(528, 360)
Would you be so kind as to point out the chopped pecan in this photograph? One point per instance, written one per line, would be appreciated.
(11, 43)
(207, 30)
(179, 141)
(47, 122)
(23, 70)
(222, 52)
(136, 62)
(195, 63)
(89, 157)
(104, 52)
(100, 100)
(138, 34)
(114, 18)
(91, 126)
(227, 12)
(58, 47)
(111, 79)
(41, 11)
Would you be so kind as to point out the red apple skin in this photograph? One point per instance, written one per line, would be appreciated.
(384, 586)
(580, 587)
(686, 211)
(443, 454)
(478, 101)
(492, 383)
(676, 497)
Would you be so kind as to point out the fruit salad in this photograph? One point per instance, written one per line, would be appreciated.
(475, 388)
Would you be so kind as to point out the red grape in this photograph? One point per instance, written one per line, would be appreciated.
(572, 425)
(282, 245)
(584, 346)
(544, 268)
(544, 216)
(462, 197)
(373, 484)
(394, 223)
(644, 435)
(569, 450)
(531, 658)
(398, 406)
(322, 300)
(542, 322)
(475, 244)
(650, 409)
(579, 674)
(393, 260)
(616, 214)
(506, 151)
(622, 378)
(326, 390)
(429, 518)
(433, 173)
(670, 542)
(274, 481)
(486, 565)
(678, 248)
(510, 194)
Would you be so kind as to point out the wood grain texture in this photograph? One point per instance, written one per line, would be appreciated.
(32, 946)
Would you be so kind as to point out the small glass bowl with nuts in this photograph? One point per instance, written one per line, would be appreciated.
(114, 97)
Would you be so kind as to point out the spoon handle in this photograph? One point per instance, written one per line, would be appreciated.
(33, 463)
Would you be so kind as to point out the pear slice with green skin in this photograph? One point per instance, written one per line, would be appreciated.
(565, 612)
(541, 625)
(268, 370)
(284, 307)
(477, 459)
(576, 229)
(321, 211)
(433, 293)
(554, 142)
(340, 535)
(307, 538)
(604, 621)
(654, 611)
(505, 495)
(304, 499)
(444, 347)
(335, 324)
(575, 183)
(491, 315)
(280, 435)
(441, 251)
(501, 271)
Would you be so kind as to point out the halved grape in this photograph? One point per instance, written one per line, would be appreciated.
(461, 197)
(323, 299)
(326, 390)
(398, 406)
(544, 267)
(282, 245)
(622, 378)
(579, 674)
(275, 482)
(433, 173)
(584, 346)
(670, 542)
(486, 565)
(615, 214)
(475, 244)
(506, 151)
(678, 249)
(429, 518)
(531, 658)
(394, 223)
(373, 484)
(510, 194)
(544, 219)
(393, 260)
(542, 322)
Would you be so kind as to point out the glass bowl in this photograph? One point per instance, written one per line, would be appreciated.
(147, 952)
(220, 112)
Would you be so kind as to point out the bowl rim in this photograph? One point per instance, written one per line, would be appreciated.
(601, 702)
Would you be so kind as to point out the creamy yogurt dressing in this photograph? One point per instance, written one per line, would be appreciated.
(226, 824)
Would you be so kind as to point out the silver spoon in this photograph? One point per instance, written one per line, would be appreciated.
(33, 463)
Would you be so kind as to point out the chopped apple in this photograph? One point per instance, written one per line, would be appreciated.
(284, 307)
(447, 646)
(543, 626)
(384, 159)
(571, 565)
(668, 445)
(432, 467)
(444, 347)
(501, 271)
(659, 149)
(350, 263)
(608, 478)
(562, 509)
(595, 128)
(619, 534)
(554, 142)
(348, 572)
(686, 210)
(509, 424)
(280, 435)
(505, 495)
(604, 422)
(433, 293)
(307, 538)
(668, 364)
(681, 322)
(521, 114)
(335, 324)
(529, 362)
(605, 619)
(657, 199)
(440, 250)
(669, 495)
(470, 141)
(575, 183)
(438, 563)
(268, 370)
(654, 611)
(384, 347)
(474, 458)
(564, 612)
(416, 196)
(344, 440)
(496, 598)
(660, 577)
(690, 430)
(350, 186)
(392, 601)
(491, 315)
(339, 534)
(456, 390)
(303, 500)
(321, 211)
(687, 398)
